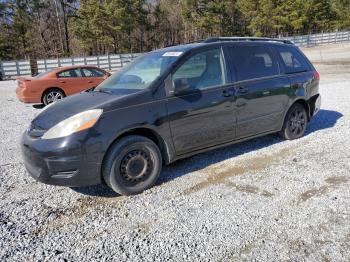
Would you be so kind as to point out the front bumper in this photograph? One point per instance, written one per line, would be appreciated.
(71, 161)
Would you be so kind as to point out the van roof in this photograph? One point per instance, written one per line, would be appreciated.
(212, 40)
(236, 39)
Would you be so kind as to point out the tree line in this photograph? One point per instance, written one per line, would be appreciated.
(59, 28)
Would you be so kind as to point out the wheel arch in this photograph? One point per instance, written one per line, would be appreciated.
(51, 88)
(305, 104)
(148, 133)
(300, 101)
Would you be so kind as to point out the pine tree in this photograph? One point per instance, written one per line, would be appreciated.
(342, 12)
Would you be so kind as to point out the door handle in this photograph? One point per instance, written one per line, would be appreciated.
(242, 89)
(62, 81)
(90, 81)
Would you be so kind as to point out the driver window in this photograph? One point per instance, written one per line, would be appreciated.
(201, 71)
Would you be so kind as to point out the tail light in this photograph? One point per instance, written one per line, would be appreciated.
(316, 75)
(22, 82)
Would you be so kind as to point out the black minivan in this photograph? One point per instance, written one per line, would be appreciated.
(170, 104)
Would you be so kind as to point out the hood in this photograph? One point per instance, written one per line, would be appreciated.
(75, 104)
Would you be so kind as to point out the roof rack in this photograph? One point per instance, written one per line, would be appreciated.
(222, 39)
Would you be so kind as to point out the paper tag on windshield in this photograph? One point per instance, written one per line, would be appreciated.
(172, 54)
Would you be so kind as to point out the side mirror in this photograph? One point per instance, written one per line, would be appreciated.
(181, 86)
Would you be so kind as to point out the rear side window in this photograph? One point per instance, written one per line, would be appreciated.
(253, 62)
(293, 61)
(70, 73)
(92, 72)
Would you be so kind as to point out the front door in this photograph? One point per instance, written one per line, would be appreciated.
(71, 81)
(92, 77)
(200, 109)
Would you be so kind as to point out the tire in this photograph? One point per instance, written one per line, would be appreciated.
(132, 165)
(295, 123)
(52, 95)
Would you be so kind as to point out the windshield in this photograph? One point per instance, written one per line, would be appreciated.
(140, 73)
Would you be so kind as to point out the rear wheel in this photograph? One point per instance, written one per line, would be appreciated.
(295, 123)
(52, 95)
(132, 165)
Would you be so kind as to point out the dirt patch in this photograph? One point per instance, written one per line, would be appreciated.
(217, 176)
(249, 189)
(332, 184)
(72, 215)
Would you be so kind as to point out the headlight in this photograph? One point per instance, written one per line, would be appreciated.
(73, 124)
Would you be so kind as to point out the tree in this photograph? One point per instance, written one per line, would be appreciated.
(284, 17)
(88, 26)
(21, 26)
(56, 28)
(165, 23)
(342, 10)
(119, 24)
(7, 50)
(206, 18)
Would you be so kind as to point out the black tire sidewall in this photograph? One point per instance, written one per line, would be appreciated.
(111, 170)
(286, 134)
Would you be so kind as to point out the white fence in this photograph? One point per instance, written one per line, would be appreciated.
(114, 62)
(320, 39)
(107, 62)
(15, 68)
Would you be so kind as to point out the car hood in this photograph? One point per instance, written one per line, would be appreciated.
(75, 104)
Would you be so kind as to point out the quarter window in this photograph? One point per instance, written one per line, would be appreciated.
(70, 73)
(292, 59)
(253, 62)
(202, 70)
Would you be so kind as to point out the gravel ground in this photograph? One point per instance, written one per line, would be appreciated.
(265, 199)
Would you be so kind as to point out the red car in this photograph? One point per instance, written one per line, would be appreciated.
(57, 83)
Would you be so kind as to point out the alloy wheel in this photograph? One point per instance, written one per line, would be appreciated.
(297, 122)
(53, 96)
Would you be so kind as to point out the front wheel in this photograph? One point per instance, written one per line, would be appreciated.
(132, 165)
(295, 123)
